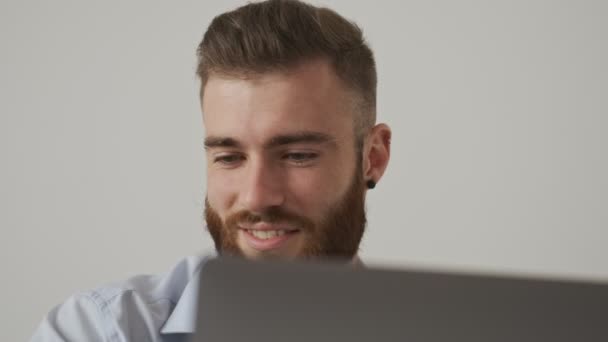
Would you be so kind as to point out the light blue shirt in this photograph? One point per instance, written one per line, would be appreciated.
(143, 308)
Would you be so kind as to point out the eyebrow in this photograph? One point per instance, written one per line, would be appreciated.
(305, 137)
(299, 138)
(213, 142)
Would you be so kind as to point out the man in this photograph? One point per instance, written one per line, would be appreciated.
(288, 94)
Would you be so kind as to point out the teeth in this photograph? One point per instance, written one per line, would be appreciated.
(266, 234)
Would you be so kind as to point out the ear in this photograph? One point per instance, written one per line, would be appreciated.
(376, 153)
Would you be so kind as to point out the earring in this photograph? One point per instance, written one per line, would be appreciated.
(371, 184)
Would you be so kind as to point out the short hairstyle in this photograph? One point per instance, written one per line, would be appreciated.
(277, 35)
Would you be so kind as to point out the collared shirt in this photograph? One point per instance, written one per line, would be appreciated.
(143, 308)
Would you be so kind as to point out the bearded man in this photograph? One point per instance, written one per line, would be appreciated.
(288, 95)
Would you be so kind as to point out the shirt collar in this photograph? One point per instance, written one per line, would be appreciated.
(182, 319)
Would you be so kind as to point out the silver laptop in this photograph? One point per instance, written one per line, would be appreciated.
(273, 301)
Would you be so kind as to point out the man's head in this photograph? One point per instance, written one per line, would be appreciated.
(288, 97)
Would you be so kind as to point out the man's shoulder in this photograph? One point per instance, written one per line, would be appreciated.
(149, 288)
(131, 310)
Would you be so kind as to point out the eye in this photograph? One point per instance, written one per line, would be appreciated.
(228, 160)
(300, 158)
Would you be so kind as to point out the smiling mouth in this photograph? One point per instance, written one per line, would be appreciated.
(269, 234)
(268, 239)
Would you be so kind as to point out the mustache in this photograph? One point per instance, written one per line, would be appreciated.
(271, 215)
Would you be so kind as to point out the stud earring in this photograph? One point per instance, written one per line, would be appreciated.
(371, 184)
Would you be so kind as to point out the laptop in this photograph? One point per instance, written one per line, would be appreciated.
(278, 301)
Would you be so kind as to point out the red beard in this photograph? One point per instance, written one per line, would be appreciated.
(337, 235)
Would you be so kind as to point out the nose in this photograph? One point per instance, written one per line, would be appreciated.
(262, 187)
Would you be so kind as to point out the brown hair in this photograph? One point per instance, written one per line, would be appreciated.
(279, 34)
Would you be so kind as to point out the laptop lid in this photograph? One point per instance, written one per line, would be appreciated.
(273, 301)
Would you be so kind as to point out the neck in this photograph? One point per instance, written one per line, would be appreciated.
(356, 262)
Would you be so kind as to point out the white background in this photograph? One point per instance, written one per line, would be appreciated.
(498, 108)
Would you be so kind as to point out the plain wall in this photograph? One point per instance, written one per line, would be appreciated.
(499, 159)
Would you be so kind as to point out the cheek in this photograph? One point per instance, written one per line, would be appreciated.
(221, 190)
(314, 191)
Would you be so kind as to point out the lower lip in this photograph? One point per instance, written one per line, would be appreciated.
(267, 244)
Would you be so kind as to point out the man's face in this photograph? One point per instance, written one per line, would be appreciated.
(284, 177)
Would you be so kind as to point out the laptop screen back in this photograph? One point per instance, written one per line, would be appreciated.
(245, 301)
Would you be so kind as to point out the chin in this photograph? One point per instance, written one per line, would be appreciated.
(268, 255)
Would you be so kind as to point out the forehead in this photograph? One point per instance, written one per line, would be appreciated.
(307, 98)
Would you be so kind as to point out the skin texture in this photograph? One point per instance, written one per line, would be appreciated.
(282, 154)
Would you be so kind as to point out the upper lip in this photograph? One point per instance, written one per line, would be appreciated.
(262, 226)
